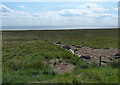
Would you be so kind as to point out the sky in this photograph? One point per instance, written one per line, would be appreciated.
(82, 14)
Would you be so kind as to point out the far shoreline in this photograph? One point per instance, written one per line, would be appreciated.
(62, 29)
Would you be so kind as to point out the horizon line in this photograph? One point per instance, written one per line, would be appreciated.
(57, 29)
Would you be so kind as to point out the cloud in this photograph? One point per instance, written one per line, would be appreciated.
(13, 17)
(21, 6)
(93, 7)
(89, 14)
(116, 9)
(72, 12)
(86, 10)
(105, 14)
(5, 8)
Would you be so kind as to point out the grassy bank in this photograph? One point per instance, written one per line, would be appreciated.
(23, 60)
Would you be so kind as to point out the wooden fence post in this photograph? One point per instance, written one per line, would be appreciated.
(100, 59)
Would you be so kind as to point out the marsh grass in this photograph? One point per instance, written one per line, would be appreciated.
(23, 57)
(96, 38)
(26, 60)
(90, 75)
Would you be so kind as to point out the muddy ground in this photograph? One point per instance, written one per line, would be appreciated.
(108, 54)
(60, 66)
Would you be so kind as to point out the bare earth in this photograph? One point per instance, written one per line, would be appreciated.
(60, 66)
(107, 54)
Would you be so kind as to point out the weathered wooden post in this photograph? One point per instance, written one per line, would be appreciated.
(100, 59)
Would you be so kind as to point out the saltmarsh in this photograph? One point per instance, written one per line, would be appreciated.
(24, 53)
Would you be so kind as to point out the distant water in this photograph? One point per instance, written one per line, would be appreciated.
(49, 27)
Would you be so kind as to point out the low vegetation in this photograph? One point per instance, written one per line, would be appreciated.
(23, 61)
(24, 54)
(96, 38)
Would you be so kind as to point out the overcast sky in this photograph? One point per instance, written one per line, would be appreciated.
(87, 14)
